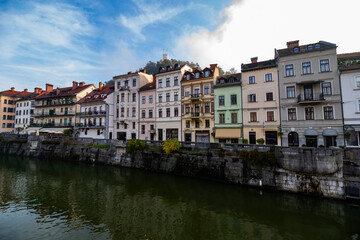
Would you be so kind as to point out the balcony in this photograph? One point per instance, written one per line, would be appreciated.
(124, 88)
(314, 99)
(196, 97)
(196, 115)
(91, 113)
(54, 103)
(53, 114)
(89, 125)
(45, 125)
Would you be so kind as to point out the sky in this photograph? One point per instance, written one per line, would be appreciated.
(60, 41)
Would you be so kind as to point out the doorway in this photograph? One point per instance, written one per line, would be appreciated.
(252, 137)
(271, 137)
(308, 92)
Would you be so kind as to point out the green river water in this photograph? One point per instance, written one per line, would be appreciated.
(42, 199)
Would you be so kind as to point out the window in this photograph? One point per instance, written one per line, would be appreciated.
(197, 124)
(168, 82)
(160, 113)
(117, 99)
(126, 83)
(253, 116)
(306, 67)
(150, 113)
(160, 83)
(118, 84)
(143, 114)
(289, 70)
(143, 99)
(251, 79)
(150, 99)
(357, 81)
(234, 118)
(187, 108)
(142, 129)
(328, 113)
(326, 88)
(188, 77)
(207, 73)
(133, 125)
(268, 77)
(296, 49)
(291, 114)
(160, 98)
(5, 101)
(134, 82)
(270, 116)
(310, 47)
(134, 97)
(222, 118)
(133, 112)
(207, 123)
(197, 75)
(233, 99)
(207, 107)
(176, 112)
(324, 65)
(4, 109)
(309, 113)
(207, 89)
(197, 93)
(168, 97)
(176, 81)
(176, 96)
(221, 100)
(187, 92)
(269, 96)
(252, 97)
(290, 92)
(187, 123)
(123, 97)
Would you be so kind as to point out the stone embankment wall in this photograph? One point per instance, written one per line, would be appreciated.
(301, 170)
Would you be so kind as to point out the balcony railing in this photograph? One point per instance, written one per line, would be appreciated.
(90, 125)
(92, 113)
(53, 114)
(55, 103)
(122, 88)
(196, 96)
(315, 98)
(51, 125)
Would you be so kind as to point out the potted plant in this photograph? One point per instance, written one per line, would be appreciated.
(260, 141)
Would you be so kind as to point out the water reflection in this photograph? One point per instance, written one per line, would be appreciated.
(64, 200)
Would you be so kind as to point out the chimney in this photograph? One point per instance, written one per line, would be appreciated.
(37, 90)
(57, 91)
(81, 84)
(100, 86)
(254, 59)
(25, 90)
(213, 66)
(12, 89)
(75, 84)
(292, 44)
(142, 70)
(49, 87)
(129, 73)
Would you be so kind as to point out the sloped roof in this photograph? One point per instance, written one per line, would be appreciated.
(13, 93)
(258, 65)
(169, 69)
(64, 92)
(322, 45)
(96, 95)
(149, 86)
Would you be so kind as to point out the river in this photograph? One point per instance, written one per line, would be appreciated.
(43, 199)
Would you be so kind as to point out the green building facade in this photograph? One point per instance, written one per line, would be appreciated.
(228, 109)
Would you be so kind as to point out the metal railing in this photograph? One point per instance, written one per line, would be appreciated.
(301, 98)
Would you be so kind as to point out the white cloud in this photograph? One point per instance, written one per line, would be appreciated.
(150, 13)
(256, 27)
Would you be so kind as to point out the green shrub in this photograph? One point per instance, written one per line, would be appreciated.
(68, 132)
(260, 141)
(107, 146)
(171, 145)
(245, 141)
(347, 135)
(1, 138)
(259, 159)
(135, 145)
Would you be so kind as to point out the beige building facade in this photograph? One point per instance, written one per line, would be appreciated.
(260, 98)
(147, 112)
(198, 104)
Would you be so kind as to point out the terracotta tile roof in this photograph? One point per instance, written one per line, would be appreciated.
(13, 93)
(149, 86)
(170, 69)
(349, 68)
(319, 46)
(258, 65)
(349, 56)
(64, 92)
(201, 73)
(96, 95)
(228, 80)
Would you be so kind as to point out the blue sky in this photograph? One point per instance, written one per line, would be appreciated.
(91, 40)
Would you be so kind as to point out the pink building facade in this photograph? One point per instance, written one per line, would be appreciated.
(147, 112)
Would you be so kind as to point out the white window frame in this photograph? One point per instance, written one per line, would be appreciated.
(160, 81)
(287, 114)
(286, 86)
(257, 116)
(311, 68)
(255, 96)
(331, 87)
(274, 115)
(305, 113)
(254, 79)
(355, 81)
(323, 113)
(272, 77)
(358, 104)
(293, 70)
(320, 65)
(207, 85)
(143, 99)
(272, 94)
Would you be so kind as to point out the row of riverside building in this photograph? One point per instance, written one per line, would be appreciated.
(308, 95)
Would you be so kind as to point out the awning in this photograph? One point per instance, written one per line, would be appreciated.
(228, 133)
(329, 132)
(271, 128)
(53, 130)
(31, 129)
(357, 129)
(310, 132)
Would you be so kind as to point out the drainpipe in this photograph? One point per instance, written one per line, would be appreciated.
(342, 109)
(242, 114)
(278, 76)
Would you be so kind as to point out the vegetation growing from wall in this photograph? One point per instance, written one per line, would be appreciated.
(135, 145)
(170, 146)
(258, 159)
(68, 132)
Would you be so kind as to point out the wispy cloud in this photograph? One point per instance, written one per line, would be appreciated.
(149, 14)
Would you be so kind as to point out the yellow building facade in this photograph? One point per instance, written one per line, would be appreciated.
(260, 98)
(197, 106)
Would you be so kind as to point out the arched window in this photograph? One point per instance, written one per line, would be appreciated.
(293, 139)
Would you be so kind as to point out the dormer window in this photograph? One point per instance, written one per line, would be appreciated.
(176, 66)
(317, 46)
(197, 75)
(168, 68)
(96, 96)
(207, 73)
(160, 69)
(188, 77)
(310, 47)
(296, 49)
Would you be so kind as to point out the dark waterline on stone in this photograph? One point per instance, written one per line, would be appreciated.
(42, 199)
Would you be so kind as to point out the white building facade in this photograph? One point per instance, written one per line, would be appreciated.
(168, 102)
(126, 103)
